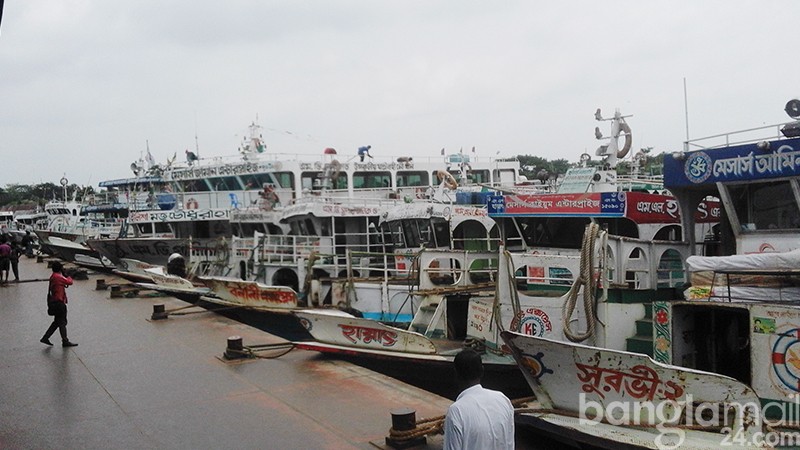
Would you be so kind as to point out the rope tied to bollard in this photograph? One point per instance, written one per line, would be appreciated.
(252, 351)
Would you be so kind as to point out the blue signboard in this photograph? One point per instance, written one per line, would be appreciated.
(734, 163)
(496, 204)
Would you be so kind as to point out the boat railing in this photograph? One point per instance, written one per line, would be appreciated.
(746, 136)
(632, 263)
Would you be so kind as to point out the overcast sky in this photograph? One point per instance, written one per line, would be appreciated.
(84, 84)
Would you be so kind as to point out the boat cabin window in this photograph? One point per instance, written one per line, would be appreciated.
(415, 178)
(765, 206)
(285, 180)
(302, 227)
(194, 186)
(415, 233)
(471, 235)
(256, 181)
(479, 176)
(372, 180)
(393, 234)
(225, 184)
(315, 181)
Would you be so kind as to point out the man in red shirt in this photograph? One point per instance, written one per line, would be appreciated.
(5, 258)
(57, 306)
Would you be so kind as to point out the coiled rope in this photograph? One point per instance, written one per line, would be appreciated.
(584, 280)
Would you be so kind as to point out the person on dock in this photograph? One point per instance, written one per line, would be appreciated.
(480, 418)
(57, 306)
(16, 250)
(27, 244)
(5, 258)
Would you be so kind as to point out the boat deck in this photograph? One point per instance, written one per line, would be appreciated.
(137, 383)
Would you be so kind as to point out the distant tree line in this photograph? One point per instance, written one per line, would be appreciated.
(22, 196)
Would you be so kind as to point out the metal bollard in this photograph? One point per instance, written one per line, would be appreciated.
(158, 312)
(116, 291)
(404, 419)
(235, 349)
(101, 285)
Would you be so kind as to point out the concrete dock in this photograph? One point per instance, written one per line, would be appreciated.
(133, 382)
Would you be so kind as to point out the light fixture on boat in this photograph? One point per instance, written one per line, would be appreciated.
(791, 129)
(680, 156)
(793, 108)
(763, 146)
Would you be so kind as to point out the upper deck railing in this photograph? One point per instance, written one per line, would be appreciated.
(746, 136)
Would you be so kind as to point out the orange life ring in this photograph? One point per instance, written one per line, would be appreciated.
(191, 203)
(447, 178)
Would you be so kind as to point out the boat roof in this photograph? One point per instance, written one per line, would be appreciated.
(130, 181)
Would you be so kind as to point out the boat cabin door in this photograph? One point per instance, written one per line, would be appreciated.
(712, 338)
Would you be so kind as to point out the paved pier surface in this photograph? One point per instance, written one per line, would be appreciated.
(135, 383)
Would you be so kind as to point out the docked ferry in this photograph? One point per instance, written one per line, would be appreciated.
(719, 361)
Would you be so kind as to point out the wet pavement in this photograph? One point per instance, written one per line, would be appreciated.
(137, 383)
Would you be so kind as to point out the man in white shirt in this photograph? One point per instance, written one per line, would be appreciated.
(480, 419)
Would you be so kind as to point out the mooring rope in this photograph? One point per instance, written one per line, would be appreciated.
(585, 280)
(252, 350)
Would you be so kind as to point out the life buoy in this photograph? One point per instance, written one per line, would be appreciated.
(191, 203)
(624, 128)
(447, 178)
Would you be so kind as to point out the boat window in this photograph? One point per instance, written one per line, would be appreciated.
(194, 186)
(294, 228)
(394, 234)
(285, 179)
(670, 269)
(620, 226)
(668, 233)
(470, 235)
(256, 181)
(479, 176)
(225, 184)
(415, 178)
(563, 232)
(318, 180)
(765, 206)
(162, 228)
(416, 233)
(309, 228)
(444, 271)
(482, 271)
(441, 232)
(371, 180)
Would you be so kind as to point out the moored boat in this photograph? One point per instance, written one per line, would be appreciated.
(735, 328)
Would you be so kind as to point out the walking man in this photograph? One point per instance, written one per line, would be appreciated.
(480, 419)
(57, 306)
(5, 258)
